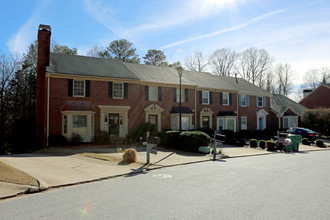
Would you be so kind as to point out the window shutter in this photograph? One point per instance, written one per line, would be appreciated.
(70, 87)
(125, 90)
(174, 94)
(257, 101)
(220, 98)
(200, 97)
(210, 97)
(248, 100)
(239, 100)
(159, 93)
(110, 89)
(265, 104)
(186, 95)
(88, 87)
(230, 98)
(146, 92)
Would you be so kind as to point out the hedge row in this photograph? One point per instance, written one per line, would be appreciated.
(187, 140)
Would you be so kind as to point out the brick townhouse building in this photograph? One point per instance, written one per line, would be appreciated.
(86, 95)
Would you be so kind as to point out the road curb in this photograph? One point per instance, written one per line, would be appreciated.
(43, 186)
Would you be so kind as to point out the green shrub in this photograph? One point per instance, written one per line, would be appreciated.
(57, 140)
(319, 143)
(172, 139)
(271, 145)
(75, 139)
(141, 131)
(242, 142)
(269, 133)
(262, 144)
(243, 134)
(192, 140)
(305, 141)
(253, 143)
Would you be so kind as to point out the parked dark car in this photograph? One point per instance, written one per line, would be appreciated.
(305, 133)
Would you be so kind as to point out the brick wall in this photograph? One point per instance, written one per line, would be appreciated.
(320, 98)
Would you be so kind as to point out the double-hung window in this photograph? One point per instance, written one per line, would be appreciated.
(79, 124)
(78, 88)
(118, 90)
(243, 123)
(153, 94)
(178, 95)
(225, 98)
(205, 98)
(260, 101)
(243, 100)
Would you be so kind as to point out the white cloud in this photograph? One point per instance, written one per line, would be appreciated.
(237, 27)
(26, 33)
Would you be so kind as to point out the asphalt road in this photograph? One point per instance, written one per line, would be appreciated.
(278, 186)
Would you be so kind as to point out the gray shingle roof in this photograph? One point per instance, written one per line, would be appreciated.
(156, 74)
(244, 86)
(207, 80)
(280, 103)
(91, 66)
(88, 66)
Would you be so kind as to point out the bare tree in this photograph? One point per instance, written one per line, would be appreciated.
(196, 62)
(270, 82)
(253, 65)
(8, 66)
(284, 78)
(222, 61)
(314, 77)
(94, 51)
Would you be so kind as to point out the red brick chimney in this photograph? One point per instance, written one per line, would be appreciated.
(44, 33)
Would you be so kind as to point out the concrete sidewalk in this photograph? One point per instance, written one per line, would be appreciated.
(57, 167)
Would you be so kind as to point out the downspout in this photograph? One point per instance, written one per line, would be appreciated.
(48, 84)
(237, 113)
(195, 109)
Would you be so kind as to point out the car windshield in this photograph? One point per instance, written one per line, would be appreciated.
(308, 130)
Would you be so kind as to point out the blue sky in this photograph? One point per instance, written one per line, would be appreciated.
(292, 31)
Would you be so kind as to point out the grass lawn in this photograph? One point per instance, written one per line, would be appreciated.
(10, 174)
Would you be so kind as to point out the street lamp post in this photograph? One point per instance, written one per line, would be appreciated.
(180, 71)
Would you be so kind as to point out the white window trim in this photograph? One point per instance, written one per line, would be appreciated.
(227, 93)
(178, 95)
(262, 101)
(289, 118)
(122, 91)
(90, 129)
(208, 98)
(156, 92)
(176, 115)
(245, 123)
(84, 92)
(225, 122)
(242, 100)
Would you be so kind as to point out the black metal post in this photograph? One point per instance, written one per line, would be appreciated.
(180, 122)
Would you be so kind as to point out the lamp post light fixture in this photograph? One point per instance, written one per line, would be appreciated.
(180, 71)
